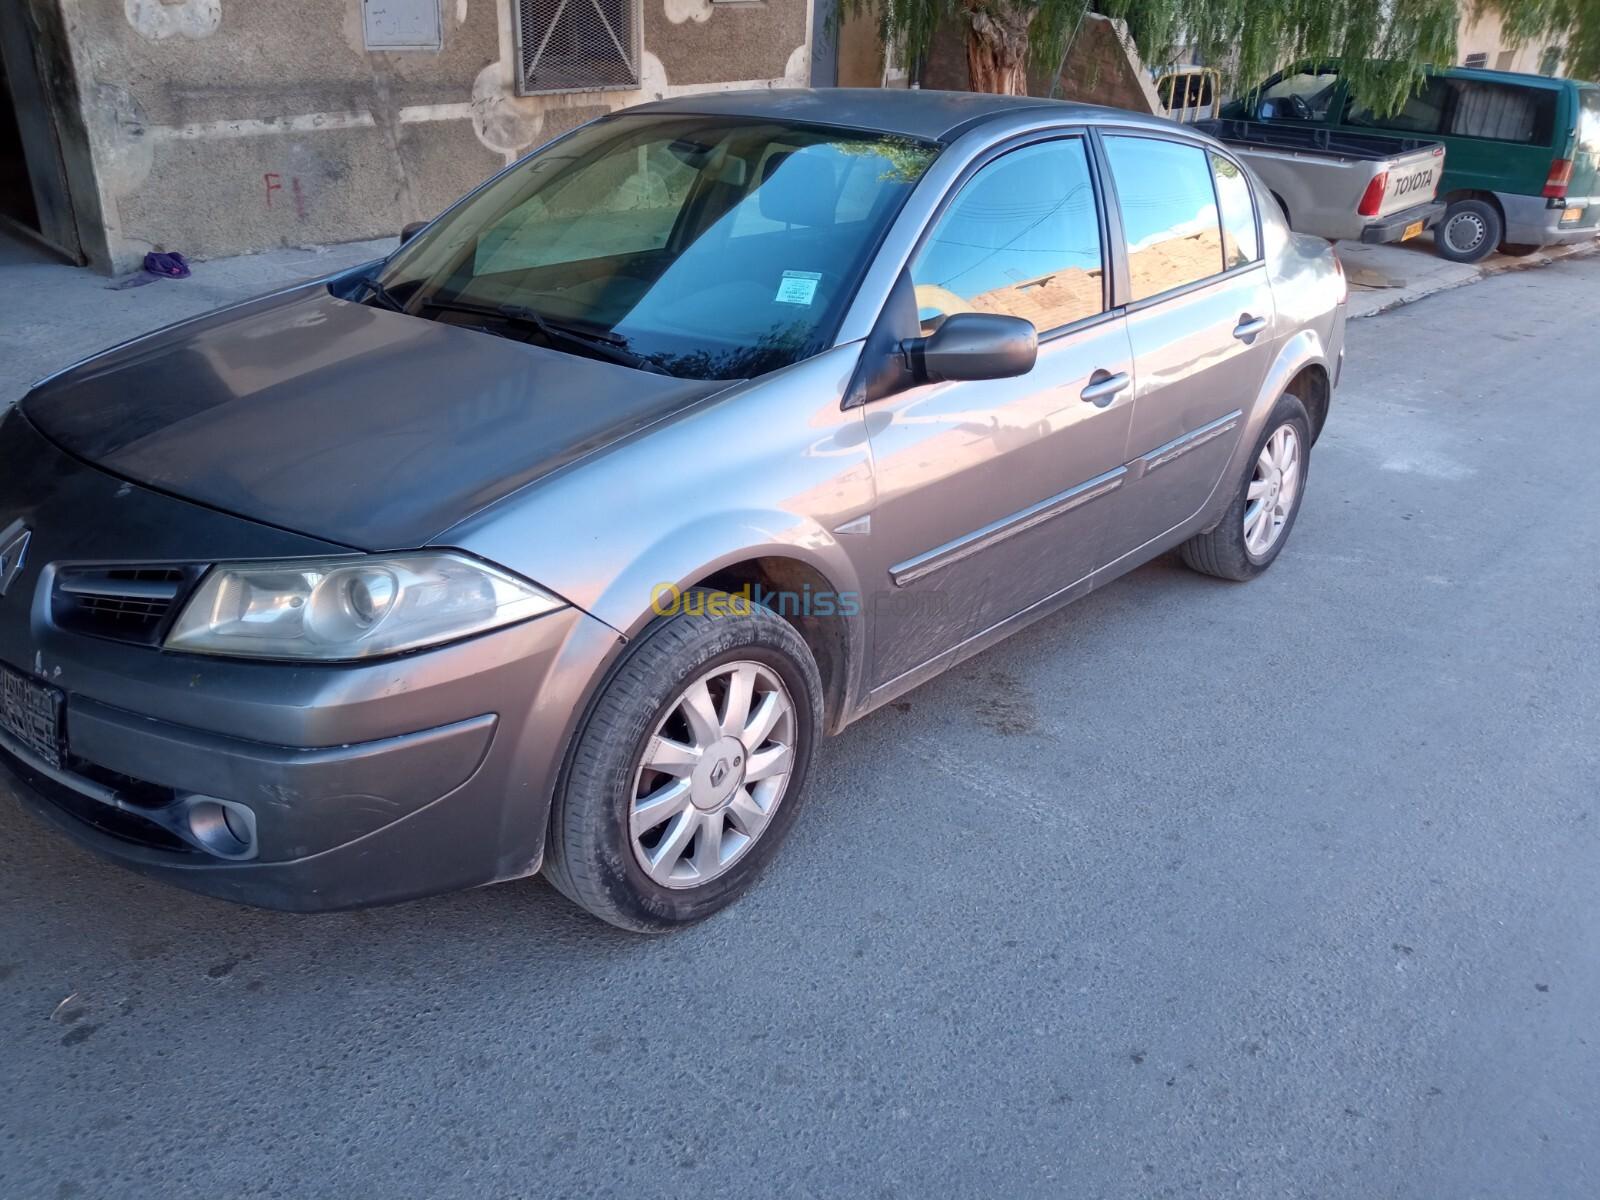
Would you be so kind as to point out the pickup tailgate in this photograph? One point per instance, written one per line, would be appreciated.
(1410, 180)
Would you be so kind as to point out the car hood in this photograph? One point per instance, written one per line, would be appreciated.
(342, 421)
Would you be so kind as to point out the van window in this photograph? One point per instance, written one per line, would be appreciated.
(1169, 213)
(1021, 238)
(1423, 112)
(1589, 120)
(1501, 112)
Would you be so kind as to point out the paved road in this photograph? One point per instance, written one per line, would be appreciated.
(1197, 889)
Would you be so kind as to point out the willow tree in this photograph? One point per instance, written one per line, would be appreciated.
(1383, 44)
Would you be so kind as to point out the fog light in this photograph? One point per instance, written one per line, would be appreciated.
(222, 827)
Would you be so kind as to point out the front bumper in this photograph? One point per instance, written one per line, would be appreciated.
(345, 824)
(1393, 228)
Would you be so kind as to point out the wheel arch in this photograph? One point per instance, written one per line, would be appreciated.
(1314, 389)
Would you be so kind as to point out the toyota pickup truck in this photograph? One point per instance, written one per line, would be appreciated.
(1335, 184)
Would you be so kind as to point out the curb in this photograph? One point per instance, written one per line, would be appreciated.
(1506, 266)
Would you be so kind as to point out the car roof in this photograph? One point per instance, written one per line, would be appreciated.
(909, 112)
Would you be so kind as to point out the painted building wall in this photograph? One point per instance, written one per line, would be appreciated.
(1482, 34)
(226, 126)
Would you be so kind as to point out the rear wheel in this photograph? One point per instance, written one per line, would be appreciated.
(1253, 531)
(690, 769)
(1469, 232)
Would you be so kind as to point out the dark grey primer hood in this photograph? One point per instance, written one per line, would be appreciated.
(343, 421)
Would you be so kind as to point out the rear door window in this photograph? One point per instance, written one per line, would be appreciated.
(1241, 245)
(1169, 213)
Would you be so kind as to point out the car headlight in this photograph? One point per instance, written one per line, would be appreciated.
(350, 608)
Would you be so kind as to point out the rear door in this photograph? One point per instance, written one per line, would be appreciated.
(1200, 318)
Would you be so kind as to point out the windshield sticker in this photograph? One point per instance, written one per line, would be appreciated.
(798, 287)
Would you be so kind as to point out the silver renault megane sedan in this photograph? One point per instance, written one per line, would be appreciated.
(556, 539)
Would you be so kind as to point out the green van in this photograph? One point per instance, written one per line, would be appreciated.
(1522, 152)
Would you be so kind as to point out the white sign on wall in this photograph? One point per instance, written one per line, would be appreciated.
(401, 24)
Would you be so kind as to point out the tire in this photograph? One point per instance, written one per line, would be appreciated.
(592, 854)
(1226, 551)
(1469, 231)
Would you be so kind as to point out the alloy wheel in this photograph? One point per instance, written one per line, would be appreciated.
(712, 774)
(1274, 486)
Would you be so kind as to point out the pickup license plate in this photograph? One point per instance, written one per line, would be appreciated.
(1412, 230)
(30, 714)
(1571, 216)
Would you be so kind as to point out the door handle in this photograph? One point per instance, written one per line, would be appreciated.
(1104, 387)
(1248, 327)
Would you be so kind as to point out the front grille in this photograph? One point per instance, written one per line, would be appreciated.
(125, 604)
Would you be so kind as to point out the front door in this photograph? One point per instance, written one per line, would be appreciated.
(991, 494)
(1201, 320)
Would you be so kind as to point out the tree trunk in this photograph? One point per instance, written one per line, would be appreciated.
(997, 45)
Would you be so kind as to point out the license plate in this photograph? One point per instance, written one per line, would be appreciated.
(30, 714)
(1412, 230)
(1571, 216)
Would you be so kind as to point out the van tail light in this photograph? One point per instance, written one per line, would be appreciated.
(1555, 187)
(1372, 198)
(1344, 281)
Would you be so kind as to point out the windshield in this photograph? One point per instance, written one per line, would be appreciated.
(707, 247)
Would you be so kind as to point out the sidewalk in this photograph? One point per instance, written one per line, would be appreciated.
(1382, 277)
(57, 314)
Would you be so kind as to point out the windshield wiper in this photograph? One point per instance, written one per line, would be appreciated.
(607, 345)
(381, 293)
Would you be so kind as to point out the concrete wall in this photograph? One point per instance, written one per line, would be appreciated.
(224, 126)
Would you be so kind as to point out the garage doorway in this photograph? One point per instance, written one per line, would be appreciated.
(35, 198)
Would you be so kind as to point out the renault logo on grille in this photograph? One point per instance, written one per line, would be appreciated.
(13, 553)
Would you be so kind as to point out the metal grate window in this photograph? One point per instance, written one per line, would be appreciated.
(577, 45)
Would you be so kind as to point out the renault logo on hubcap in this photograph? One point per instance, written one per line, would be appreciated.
(13, 553)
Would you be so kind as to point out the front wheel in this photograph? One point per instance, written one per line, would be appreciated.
(1253, 531)
(690, 769)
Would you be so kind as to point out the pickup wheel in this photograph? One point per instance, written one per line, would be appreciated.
(1469, 232)
(1253, 531)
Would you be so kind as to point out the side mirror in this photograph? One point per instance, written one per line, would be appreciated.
(410, 231)
(971, 346)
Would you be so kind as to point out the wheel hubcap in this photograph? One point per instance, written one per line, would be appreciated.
(1464, 232)
(1274, 486)
(712, 775)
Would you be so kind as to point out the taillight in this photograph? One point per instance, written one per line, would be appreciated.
(1344, 281)
(1372, 198)
(1555, 187)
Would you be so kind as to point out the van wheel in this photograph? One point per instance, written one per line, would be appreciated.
(690, 769)
(1253, 531)
(1469, 232)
